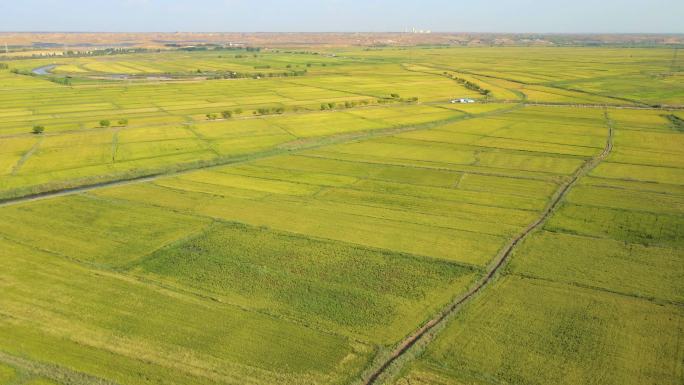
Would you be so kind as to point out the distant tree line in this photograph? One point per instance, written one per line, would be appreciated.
(227, 114)
(63, 80)
(22, 72)
(104, 123)
(258, 75)
(396, 98)
(299, 52)
(106, 51)
(269, 111)
(123, 122)
(347, 104)
(393, 98)
(469, 85)
(329, 106)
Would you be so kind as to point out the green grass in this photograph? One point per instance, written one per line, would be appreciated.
(612, 265)
(7, 374)
(350, 288)
(114, 320)
(593, 297)
(92, 230)
(530, 331)
(642, 227)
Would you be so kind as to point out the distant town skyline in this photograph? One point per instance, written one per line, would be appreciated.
(521, 16)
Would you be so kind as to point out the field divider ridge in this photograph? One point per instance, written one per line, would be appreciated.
(425, 333)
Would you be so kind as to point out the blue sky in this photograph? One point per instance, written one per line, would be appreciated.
(562, 16)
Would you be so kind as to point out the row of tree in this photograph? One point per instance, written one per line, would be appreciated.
(22, 72)
(677, 122)
(104, 123)
(65, 81)
(258, 75)
(227, 114)
(470, 85)
(123, 122)
(348, 104)
(106, 52)
(269, 111)
(394, 98)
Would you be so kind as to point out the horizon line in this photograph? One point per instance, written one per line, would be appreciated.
(427, 32)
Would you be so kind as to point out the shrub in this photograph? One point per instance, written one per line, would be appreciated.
(38, 129)
(676, 121)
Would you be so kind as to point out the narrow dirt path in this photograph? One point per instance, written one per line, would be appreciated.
(60, 374)
(498, 262)
(115, 142)
(27, 154)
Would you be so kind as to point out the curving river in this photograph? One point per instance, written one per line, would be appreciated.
(44, 70)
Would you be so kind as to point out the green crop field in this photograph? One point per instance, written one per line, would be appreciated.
(330, 216)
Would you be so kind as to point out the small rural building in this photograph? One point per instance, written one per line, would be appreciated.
(463, 101)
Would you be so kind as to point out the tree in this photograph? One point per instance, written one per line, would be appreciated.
(38, 129)
(237, 111)
(395, 96)
(105, 123)
(324, 106)
(211, 116)
(123, 122)
(227, 114)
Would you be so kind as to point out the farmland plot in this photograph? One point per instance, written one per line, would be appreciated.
(523, 330)
(594, 297)
(298, 229)
(141, 119)
(244, 235)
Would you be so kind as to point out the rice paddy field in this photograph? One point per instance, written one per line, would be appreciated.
(344, 224)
